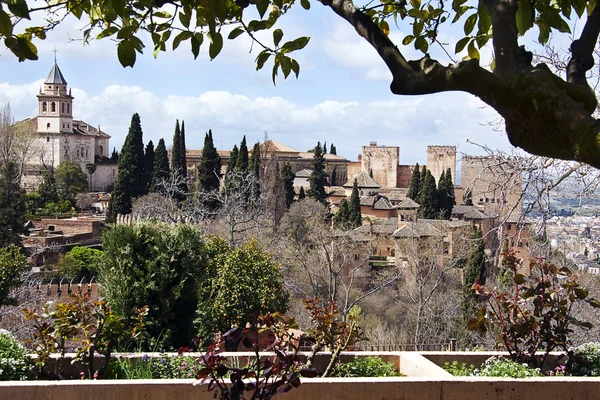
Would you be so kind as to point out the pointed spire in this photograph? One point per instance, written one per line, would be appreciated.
(55, 76)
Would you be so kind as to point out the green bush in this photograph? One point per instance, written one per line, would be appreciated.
(163, 367)
(14, 362)
(500, 367)
(459, 369)
(366, 367)
(586, 360)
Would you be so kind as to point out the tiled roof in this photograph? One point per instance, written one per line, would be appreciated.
(383, 204)
(327, 157)
(55, 76)
(363, 181)
(417, 229)
(304, 173)
(407, 204)
(273, 145)
(79, 128)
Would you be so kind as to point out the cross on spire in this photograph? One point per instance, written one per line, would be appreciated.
(55, 51)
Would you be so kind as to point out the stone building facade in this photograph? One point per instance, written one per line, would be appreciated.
(56, 137)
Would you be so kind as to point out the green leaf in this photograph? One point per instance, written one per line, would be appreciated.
(162, 14)
(126, 53)
(294, 45)
(181, 37)
(262, 6)
(184, 18)
(385, 27)
(295, 67)
(525, 16)
(544, 34)
(235, 33)
(216, 44)
(274, 75)
(262, 58)
(593, 302)
(579, 6)
(421, 44)
(19, 8)
(473, 52)
(470, 23)
(286, 66)
(196, 42)
(485, 21)
(482, 40)
(459, 13)
(415, 3)
(460, 45)
(417, 28)
(305, 4)
(277, 35)
(519, 279)
(6, 26)
(107, 32)
(408, 40)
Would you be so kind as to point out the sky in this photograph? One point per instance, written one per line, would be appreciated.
(342, 95)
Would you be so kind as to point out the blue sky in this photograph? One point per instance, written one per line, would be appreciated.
(342, 95)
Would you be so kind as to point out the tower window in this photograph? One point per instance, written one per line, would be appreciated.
(48, 125)
(68, 108)
(53, 107)
(63, 107)
(48, 139)
(44, 107)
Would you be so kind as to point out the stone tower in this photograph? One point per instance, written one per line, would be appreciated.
(439, 159)
(55, 113)
(381, 162)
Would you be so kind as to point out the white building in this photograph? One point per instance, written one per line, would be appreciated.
(56, 137)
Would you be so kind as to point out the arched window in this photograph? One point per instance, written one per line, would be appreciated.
(68, 108)
(63, 107)
(48, 125)
(44, 107)
(101, 150)
(53, 107)
(87, 154)
(48, 139)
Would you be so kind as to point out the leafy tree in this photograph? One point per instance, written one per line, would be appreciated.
(47, 188)
(241, 163)
(354, 214)
(288, 184)
(157, 265)
(415, 184)
(12, 265)
(209, 167)
(114, 155)
(148, 166)
(130, 169)
(342, 216)
(428, 198)
(160, 169)
(12, 205)
(332, 150)
(559, 124)
(70, 180)
(33, 201)
(245, 282)
(474, 272)
(317, 177)
(301, 194)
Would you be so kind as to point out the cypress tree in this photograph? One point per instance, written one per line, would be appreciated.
(12, 206)
(301, 194)
(415, 184)
(176, 150)
(325, 148)
(317, 177)
(428, 197)
(332, 150)
(475, 271)
(130, 174)
(446, 199)
(114, 156)
(254, 168)
(183, 188)
(160, 168)
(334, 176)
(288, 184)
(209, 167)
(354, 214)
(451, 195)
(241, 164)
(342, 217)
(148, 166)
(231, 167)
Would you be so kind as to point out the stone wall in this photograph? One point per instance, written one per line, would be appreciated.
(383, 162)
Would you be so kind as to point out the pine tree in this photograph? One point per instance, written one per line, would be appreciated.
(209, 167)
(241, 164)
(160, 168)
(475, 271)
(342, 217)
(130, 169)
(176, 166)
(114, 156)
(301, 194)
(288, 184)
(428, 197)
(415, 184)
(332, 150)
(12, 206)
(148, 165)
(354, 214)
(317, 177)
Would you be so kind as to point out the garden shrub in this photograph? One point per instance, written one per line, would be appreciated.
(459, 369)
(585, 360)
(14, 362)
(499, 367)
(366, 367)
(163, 367)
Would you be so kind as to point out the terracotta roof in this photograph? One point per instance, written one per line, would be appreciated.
(304, 173)
(408, 204)
(79, 128)
(327, 157)
(55, 76)
(417, 229)
(273, 145)
(363, 181)
(383, 204)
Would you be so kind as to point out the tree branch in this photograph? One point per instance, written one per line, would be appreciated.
(582, 50)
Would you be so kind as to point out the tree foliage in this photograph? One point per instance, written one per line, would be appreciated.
(70, 180)
(428, 198)
(12, 265)
(414, 186)
(241, 164)
(288, 183)
(209, 167)
(317, 177)
(354, 213)
(160, 169)
(445, 192)
(12, 206)
(149, 155)
(474, 271)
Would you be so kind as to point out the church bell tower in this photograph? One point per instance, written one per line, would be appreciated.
(55, 113)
